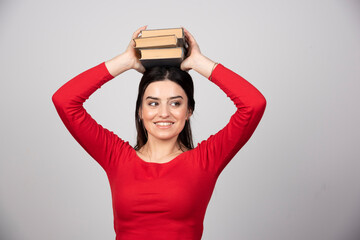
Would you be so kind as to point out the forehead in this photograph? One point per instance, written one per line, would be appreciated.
(165, 88)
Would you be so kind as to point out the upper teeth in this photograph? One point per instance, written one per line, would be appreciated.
(163, 123)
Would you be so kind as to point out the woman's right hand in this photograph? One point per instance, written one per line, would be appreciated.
(130, 52)
(127, 60)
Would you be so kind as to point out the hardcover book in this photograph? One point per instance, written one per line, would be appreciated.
(161, 47)
(162, 56)
(158, 42)
(179, 32)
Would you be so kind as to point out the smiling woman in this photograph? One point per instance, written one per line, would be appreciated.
(163, 108)
(162, 186)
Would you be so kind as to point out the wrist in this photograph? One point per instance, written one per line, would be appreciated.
(203, 65)
(118, 64)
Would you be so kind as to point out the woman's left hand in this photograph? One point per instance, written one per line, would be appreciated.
(193, 52)
(195, 60)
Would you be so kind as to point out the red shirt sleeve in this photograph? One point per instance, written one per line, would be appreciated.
(219, 149)
(99, 142)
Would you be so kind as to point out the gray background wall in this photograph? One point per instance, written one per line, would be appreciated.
(297, 177)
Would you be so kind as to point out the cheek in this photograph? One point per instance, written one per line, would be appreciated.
(148, 113)
(180, 114)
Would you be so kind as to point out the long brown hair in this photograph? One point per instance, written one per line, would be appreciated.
(161, 73)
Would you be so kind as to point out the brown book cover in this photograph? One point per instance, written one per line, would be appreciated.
(157, 42)
(158, 47)
(162, 56)
(178, 32)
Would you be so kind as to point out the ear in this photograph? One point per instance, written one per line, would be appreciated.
(140, 113)
(189, 114)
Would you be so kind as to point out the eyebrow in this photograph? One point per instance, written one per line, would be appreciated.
(170, 98)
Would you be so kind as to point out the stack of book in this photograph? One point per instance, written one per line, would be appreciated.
(161, 47)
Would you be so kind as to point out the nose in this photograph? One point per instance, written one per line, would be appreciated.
(164, 111)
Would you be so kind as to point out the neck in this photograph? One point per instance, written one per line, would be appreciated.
(157, 148)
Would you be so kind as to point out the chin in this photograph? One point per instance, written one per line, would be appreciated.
(165, 137)
(165, 134)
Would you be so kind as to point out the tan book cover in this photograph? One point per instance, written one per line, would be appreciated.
(178, 32)
(162, 56)
(156, 42)
(156, 53)
(157, 47)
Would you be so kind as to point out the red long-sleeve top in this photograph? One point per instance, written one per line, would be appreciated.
(160, 200)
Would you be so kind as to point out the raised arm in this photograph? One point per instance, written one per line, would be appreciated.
(219, 149)
(102, 144)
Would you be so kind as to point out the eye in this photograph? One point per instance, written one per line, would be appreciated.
(175, 104)
(153, 104)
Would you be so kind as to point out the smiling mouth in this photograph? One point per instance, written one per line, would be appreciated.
(164, 123)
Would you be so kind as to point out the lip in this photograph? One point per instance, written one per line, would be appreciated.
(164, 126)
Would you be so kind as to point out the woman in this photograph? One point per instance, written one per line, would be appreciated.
(161, 188)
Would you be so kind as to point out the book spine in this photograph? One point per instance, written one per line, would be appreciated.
(174, 62)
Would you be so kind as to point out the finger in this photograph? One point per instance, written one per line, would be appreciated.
(142, 69)
(137, 32)
(187, 32)
(189, 36)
